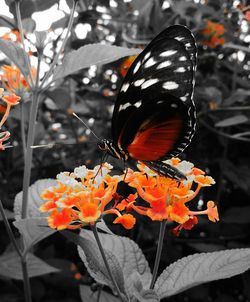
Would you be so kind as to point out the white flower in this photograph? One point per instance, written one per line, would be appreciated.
(67, 180)
(81, 171)
(185, 167)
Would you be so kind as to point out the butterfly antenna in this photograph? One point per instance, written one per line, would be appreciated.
(75, 115)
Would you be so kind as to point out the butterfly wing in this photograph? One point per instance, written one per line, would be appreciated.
(154, 115)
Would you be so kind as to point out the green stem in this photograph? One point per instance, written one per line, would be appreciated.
(9, 230)
(158, 253)
(20, 27)
(30, 142)
(71, 19)
(106, 262)
(27, 289)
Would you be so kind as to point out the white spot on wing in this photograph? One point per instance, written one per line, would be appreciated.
(125, 87)
(149, 83)
(179, 38)
(137, 66)
(174, 105)
(170, 85)
(139, 82)
(150, 62)
(164, 64)
(168, 53)
(188, 44)
(124, 106)
(183, 98)
(147, 56)
(137, 104)
(183, 58)
(180, 69)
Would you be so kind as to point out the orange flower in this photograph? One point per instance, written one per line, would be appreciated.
(212, 211)
(179, 212)
(204, 181)
(213, 34)
(48, 206)
(11, 99)
(12, 35)
(60, 219)
(89, 212)
(126, 64)
(127, 220)
(13, 80)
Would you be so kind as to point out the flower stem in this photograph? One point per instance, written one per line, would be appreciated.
(71, 19)
(94, 229)
(158, 253)
(27, 289)
(20, 27)
(30, 142)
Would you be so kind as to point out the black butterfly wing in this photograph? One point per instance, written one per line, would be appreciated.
(154, 115)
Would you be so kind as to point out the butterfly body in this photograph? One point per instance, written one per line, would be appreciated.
(154, 114)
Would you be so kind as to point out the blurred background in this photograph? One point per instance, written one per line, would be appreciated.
(221, 145)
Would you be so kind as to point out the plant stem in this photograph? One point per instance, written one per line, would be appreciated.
(20, 27)
(27, 289)
(71, 19)
(9, 230)
(158, 253)
(30, 142)
(238, 47)
(23, 136)
(105, 261)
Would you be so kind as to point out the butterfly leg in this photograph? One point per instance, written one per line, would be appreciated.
(103, 158)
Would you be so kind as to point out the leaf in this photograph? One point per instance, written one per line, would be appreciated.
(200, 268)
(10, 266)
(128, 254)
(232, 121)
(140, 293)
(239, 215)
(91, 256)
(28, 7)
(92, 54)
(34, 199)
(61, 97)
(16, 54)
(87, 295)
(101, 225)
(8, 214)
(33, 230)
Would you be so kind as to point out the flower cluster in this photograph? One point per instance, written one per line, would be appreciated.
(10, 100)
(168, 198)
(213, 34)
(13, 81)
(83, 197)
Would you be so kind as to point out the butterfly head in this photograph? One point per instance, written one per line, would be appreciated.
(108, 146)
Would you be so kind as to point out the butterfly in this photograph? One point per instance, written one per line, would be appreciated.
(154, 115)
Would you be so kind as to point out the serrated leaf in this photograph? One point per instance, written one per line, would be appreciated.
(33, 230)
(92, 54)
(10, 266)
(91, 256)
(128, 254)
(16, 54)
(101, 225)
(200, 268)
(232, 121)
(34, 199)
(87, 295)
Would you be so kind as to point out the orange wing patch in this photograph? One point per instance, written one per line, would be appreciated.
(155, 140)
